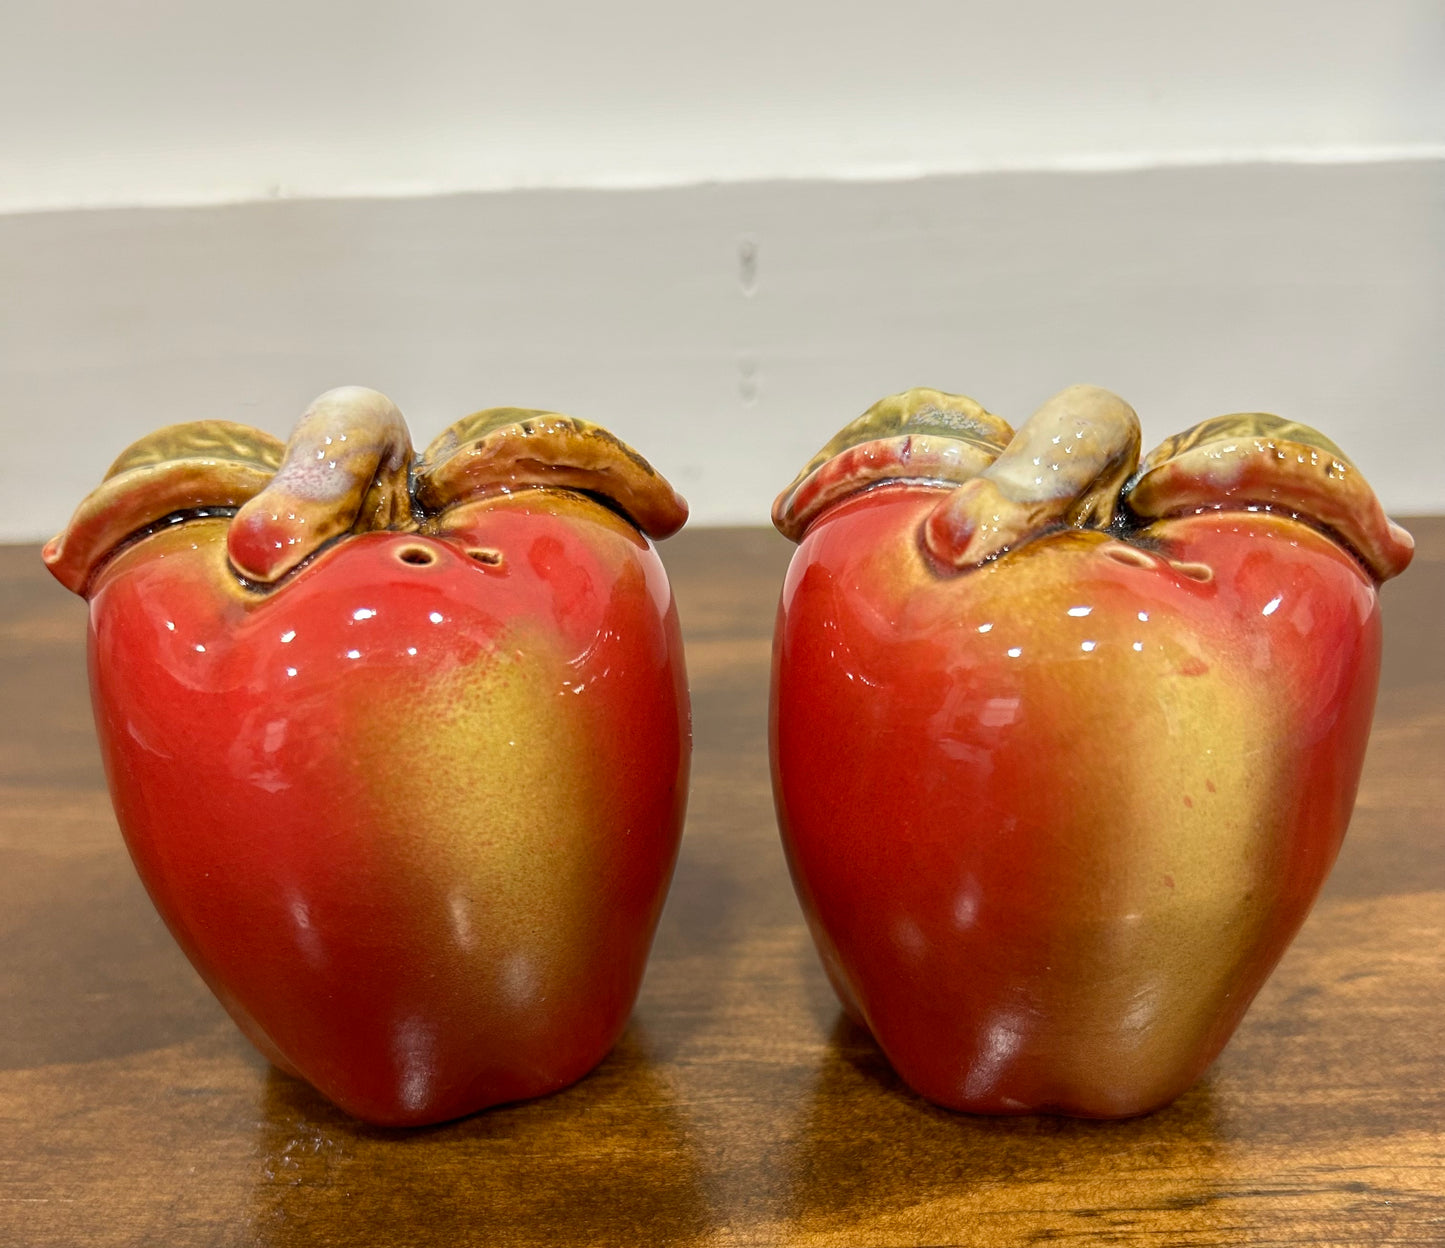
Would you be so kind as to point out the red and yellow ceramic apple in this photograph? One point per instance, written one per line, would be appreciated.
(399, 745)
(1064, 744)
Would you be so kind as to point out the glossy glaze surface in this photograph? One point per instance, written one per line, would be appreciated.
(1096, 797)
(414, 821)
(1054, 817)
(412, 809)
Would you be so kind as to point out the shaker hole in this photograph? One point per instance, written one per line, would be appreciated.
(1200, 572)
(487, 555)
(1131, 556)
(418, 555)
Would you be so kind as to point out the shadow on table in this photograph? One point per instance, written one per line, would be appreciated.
(605, 1162)
(873, 1159)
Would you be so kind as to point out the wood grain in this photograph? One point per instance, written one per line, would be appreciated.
(739, 1109)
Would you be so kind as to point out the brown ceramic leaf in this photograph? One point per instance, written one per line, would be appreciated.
(189, 467)
(919, 435)
(509, 448)
(201, 439)
(1256, 459)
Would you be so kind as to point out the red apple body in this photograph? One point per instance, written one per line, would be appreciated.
(413, 812)
(398, 743)
(1054, 813)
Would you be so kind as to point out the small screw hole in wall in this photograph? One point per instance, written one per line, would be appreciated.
(418, 555)
(485, 554)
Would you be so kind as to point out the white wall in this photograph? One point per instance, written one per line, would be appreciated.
(1314, 291)
(191, 101)
(1294, 261)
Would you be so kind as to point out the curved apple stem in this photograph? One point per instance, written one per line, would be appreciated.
(345, 471)
(1066, 465)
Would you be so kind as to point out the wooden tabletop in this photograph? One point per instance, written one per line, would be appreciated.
(740, 1108)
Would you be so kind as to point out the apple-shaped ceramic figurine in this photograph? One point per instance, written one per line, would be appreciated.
(399, 744)
(1065, 744)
